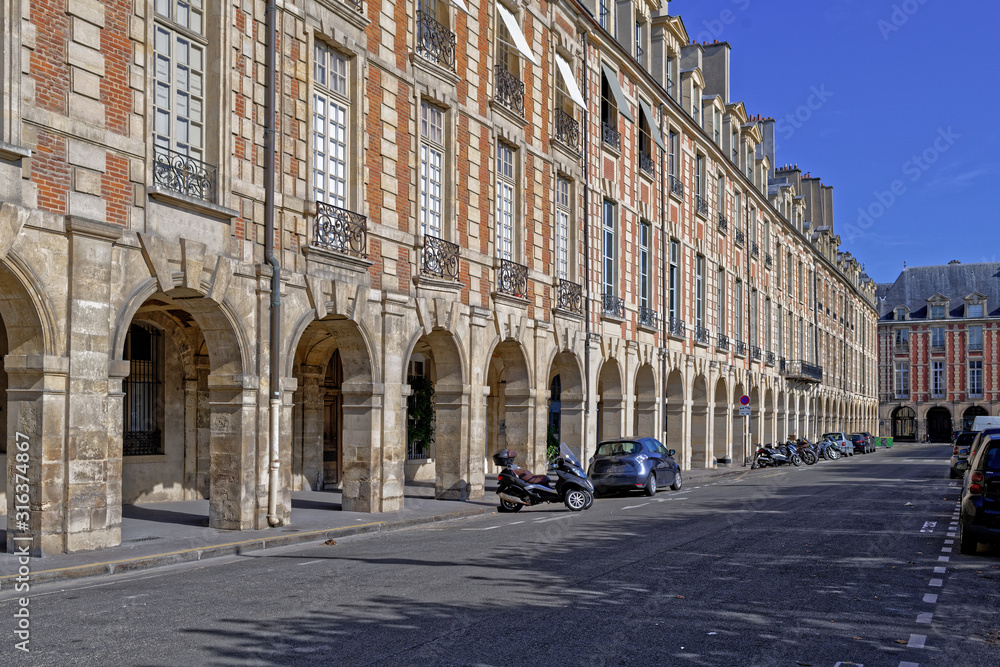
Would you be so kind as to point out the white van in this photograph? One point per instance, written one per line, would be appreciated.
(981, 422)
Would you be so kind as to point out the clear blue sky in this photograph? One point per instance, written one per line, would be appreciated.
(910, 88)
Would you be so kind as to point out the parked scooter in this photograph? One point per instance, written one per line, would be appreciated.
(522, 488)
(807, 451)
(768, 456)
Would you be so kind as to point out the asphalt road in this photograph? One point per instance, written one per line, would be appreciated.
(824, 566)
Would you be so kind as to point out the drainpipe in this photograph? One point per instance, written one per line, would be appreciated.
(663, 278)
(586, 248)
(274, 381)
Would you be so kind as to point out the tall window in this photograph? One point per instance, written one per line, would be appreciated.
(695, 102)
(644, 236)
(791, 334)
(179, 47)
(751, 220)
(976, 378)
(720, 279)
(670, 76)
(801, 277)
(717, 125)
(562, 227)
(699, 292)
(610, 248)
(604, 14)
(639, 51)
(791, 267)
(330, 118)
(734, 145)
(674, 278)
(431, 168)
(937, 338)
(781, 333)
(699, 176)
(767, 324)
(505, 201)
(975, 339)
(672, 156)
(902, 337)
(722, 195)
(937, 379)
(143, 407)
(754, 326)
(737, 209)
(802, 338)
(767, 236)
(738, 310)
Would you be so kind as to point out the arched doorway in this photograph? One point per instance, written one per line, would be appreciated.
(644, 410)
(701, 453)
(610, 399)
(675, 418)
(769, 434)
(939, 424)
(970, 414)
(509, 409)
(904, 424)
(565, 419)
(757, 436)
(720, 438)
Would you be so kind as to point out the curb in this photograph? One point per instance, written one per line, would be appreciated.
(194, 554)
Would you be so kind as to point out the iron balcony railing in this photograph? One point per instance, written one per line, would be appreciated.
(567, 129)
(902, 346)
(801, 370)
(357, 4)
(512, 278)
(976, 347)
(677, 327)
(769, 358)
(740, 237)
(569, 296)
(723, 223)
(646, 163)
(649, 317)
(755, 353)
(434, 41)
(902, 395)
(611, 136)
(184, 174)
(740, 348)
(440, 258)
(700, 205)
(937, 346)
(754, 249)
(613, 306)
(341, 230)
(975, 393)
(676, 186)
(508, 89)
(722, 343)
(768, 260)
(702, 335)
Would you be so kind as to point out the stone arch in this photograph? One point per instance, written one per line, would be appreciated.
(676, 426)
(610, 401)
(644, 410)
(904, 424)
(510, 407)
(701, 451)
(970, 414)
(769, 431)
(721, 447)
(569, 412)
(938, 424)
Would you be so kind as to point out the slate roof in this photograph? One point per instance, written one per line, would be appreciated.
(916, 284)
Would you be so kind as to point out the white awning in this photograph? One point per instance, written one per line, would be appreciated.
(570, 82)
(515, 33)
(461, 5)
(616, 91)
(654, 131)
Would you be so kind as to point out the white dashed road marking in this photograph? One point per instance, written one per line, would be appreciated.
(940, 570)
(936, 582)
(909, 664)
(930, 597)
(632, 507)
(916, 641)
(311, 562)
(944, 559)
(925, 618)
(928, 527)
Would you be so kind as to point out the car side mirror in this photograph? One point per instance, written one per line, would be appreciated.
(961, 465)
(670, 453)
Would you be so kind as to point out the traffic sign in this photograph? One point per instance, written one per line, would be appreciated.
(744, 400)
(744, 411)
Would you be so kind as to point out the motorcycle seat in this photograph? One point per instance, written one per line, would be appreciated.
(529, 477)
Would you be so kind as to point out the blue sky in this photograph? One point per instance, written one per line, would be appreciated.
(887, 101)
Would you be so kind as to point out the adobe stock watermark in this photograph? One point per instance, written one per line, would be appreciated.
(914, 169)
(785, 128)
(900, 14)
(714, 28)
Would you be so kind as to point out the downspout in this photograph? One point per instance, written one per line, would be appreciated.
(586, 246)
(274, 343)
(663, 278)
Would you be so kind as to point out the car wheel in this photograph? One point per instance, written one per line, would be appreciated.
(678, 482)
(651, 485)
(576, 499)
(966, 545)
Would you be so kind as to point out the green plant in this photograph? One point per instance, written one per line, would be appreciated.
(420, 418)
(551, 443)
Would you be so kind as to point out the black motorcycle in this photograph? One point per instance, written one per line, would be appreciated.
(522, 488)
(807, 450)
(768, 456)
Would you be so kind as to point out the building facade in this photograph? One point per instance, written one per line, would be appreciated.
(495, 224)
(938, 345)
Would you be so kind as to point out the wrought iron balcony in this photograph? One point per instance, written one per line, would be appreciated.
(512, 278)
(769, 358)
(937, 346)
(723, 223)
(341, 230)
(740, 348)
(439, 258)
(801, 370)
(700, 205)
(722, 343)
(975, 393)
(508, 90)
(754, 249)
(677, 327)
(434, 41)
(976, 347)
(649, 317)
(741, 238)
(755, 353)
(676, 186)
(567, 129)
(902, 395)
(611, 136)
(570, 296)
(613, 306)
(702, 335)
(768, 260)
(646, 163)
(902, 347)
(357, 4)
(183, 174)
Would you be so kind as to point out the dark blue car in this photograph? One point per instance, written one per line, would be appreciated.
(634, 464)
(979, 518)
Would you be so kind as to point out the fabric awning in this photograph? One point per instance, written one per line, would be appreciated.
(616, 90)
(461, 5)
(570, 82)
(654, 131)
(515, 33)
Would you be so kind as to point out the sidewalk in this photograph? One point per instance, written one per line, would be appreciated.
(168, 533)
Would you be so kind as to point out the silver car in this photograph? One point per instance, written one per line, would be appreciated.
(843, 443)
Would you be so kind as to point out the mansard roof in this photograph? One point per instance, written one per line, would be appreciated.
(915, 285)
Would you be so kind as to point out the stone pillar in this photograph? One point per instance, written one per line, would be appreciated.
(203, 430)
(233, 448)
(451, 408)
(367, 457)
(191, 439)
(309, 429)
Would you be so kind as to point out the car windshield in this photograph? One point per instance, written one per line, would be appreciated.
(964, 439)
(618, 448)
(832, 436)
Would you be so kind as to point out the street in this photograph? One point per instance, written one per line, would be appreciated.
(847, 562)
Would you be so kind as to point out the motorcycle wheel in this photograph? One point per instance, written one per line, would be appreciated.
(796, 460)
(651, 485)
(809, 458)
(678, 482)
(590, 501)
(755, 465)
(832, 454)
(508, 506)
(576, 500)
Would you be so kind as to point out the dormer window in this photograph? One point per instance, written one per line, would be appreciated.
(975, 305)
(639, 51)
(937, 312)
(974, 310)
(900, 313)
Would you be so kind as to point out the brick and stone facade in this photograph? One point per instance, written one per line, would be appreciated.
(632, 266)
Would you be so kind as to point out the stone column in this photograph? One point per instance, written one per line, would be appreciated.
(309, 428)
(232, 498)
(191, 439)
(451, 408)
(364, 487)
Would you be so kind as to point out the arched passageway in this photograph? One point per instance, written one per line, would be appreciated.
(675, 426)
(701, 453)
(509, 409)
(904, 424)
(720, 437)
(610, 408)
(644, 410)
(939, 424)
(566, 396)
(970, 414)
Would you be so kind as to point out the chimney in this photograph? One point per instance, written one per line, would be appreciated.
(715, 69)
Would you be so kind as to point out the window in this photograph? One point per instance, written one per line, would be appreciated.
(562, 227)
(791, 266)
(737, 210)
(644, 285)
(975, 339)
(751, 221)
(604, 14)
(331, 113)
(639, 51)
(717, 125)
(767, 236)
(721, 297)
(937, 312)
(143, 407)
(937, 379)
(699, 176)
(722, 195)
(781, 333)
(901, 313)
(506, 49)
(802, 338)
(801, 282)
(937, 338)
(670, 76)
(699, 292)
(974, 310)
(976, 378)
(734, 145)
(754, 326)
(431, 168)
(674, 278)
(672, 156)
(738, 310)
(645, 139)
(179, 48)
(505, 201)
(767, 324)
(902, 338)
(610, 248)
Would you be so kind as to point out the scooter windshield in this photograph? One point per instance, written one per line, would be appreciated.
(567, 455)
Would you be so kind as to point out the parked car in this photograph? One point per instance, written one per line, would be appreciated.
(980, 437)
(960, 453)
(631, 464)
(843, 443)
(979, 517)
(861, 443)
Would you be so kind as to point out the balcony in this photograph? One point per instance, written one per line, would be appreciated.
(569, 296)
(769, 358)
(754, 249)
(740, 348)
(512, 279)
(801, 370)
(755, 353)
(356, 4)
(676, 186)
(975, 393)
(439, 258)
(508, 90)
(768, 260)
(976, 348)
(677, 327)
(646, 163)
(902, 347)
(741, 238)
(341, 230)
(435, 42)
(700, 205)
(611, 136)
(723, 223)
(702, 335)
(183, 174)
(722, 343)
(937, 347)
(649, 318)
(613, 306)
(567, 130)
